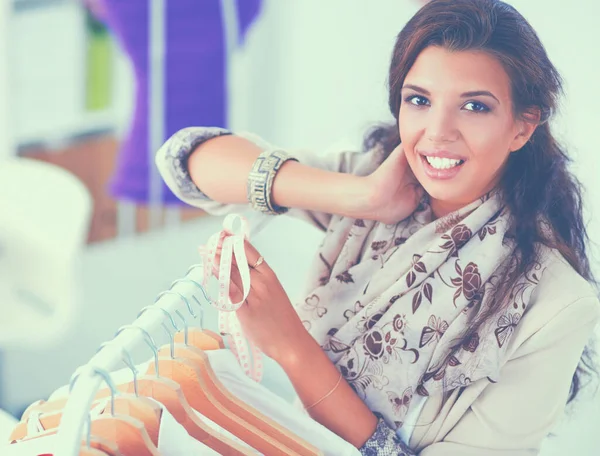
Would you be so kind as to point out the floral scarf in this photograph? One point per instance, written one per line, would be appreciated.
(389, 303)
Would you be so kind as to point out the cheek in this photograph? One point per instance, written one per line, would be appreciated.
(410, 133)
(488, 144)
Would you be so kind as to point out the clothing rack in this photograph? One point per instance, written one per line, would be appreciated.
(188, 293)
(87, 382)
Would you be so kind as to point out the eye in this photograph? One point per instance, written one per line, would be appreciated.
(417, 100)
(476, 106)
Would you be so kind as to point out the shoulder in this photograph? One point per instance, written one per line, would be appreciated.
(561, 286)
(561, 303)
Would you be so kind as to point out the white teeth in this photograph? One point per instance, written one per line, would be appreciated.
(442, 163)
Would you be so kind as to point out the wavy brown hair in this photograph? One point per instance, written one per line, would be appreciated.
(537, 183)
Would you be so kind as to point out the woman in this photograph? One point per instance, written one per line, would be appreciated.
(450, 302)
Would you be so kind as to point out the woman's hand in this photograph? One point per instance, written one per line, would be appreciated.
(267, 316)
(269, 320)
(394, 192)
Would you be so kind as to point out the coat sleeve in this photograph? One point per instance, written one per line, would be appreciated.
(514, 416)
(172, 163)
(385, 442)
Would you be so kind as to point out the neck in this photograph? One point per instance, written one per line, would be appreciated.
(443, 208)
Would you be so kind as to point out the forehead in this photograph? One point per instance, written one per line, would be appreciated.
(440, 70)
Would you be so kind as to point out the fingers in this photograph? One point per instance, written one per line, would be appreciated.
(257, 274)
(235, 285)
(236, 291)
(398, 152)
(253, 256)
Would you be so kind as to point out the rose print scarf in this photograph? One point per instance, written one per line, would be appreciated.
(388, 302)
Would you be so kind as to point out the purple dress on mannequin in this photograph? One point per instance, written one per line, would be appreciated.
(195, 78)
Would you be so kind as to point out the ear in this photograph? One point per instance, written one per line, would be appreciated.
(525, 127)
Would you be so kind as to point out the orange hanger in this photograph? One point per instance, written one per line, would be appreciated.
(194, 353)
(239, 407)
(209, 340)
(93, 446)
(201, 338)
(100, 445)
(91, 451)
(103, 446)
(169, 393)
(200, 397)
(108, 447)
(129, 434)
(140, 408)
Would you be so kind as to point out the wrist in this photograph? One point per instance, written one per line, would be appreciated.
(303, 353)
(331, 192)
(359, 198)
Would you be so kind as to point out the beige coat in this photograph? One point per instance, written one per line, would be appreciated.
(513, 416)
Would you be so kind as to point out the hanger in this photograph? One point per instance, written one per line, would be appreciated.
(93, 444)
(96, 445)
(169, 394)
(233, 403)
(192, 350)
(129, 433)
(199, 337)
(48, 414)
(90, 451)
(239, 407)
(105, 446)
(201, 399)
(100, 445)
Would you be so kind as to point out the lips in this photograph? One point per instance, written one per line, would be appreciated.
(441, 165)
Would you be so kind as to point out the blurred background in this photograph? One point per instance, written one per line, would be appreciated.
(89, 89)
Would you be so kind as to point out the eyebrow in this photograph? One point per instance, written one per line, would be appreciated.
(473, 93)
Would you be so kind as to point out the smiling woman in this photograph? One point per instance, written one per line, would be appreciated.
(451, 300)
(457, 124)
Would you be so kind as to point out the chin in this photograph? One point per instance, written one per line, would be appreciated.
(441, 191)
(447, 196)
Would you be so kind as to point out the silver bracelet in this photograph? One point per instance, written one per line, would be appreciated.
(260, 180)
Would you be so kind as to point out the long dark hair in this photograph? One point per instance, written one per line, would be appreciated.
(537, 184)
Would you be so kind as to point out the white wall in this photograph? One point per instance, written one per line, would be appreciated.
(6, 145)
(312, 73)
(47, 74)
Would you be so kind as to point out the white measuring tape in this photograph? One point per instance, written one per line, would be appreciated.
(231, 243)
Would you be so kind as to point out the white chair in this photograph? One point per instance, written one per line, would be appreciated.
(44, 219)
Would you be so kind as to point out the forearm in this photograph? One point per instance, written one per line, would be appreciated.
(303, 187)
(343, 412)
(220, 166)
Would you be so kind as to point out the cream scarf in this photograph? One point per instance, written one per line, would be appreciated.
(388, 313)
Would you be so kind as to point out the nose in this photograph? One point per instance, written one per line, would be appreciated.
(441, 126)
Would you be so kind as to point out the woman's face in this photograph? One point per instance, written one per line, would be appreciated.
(457, 125)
